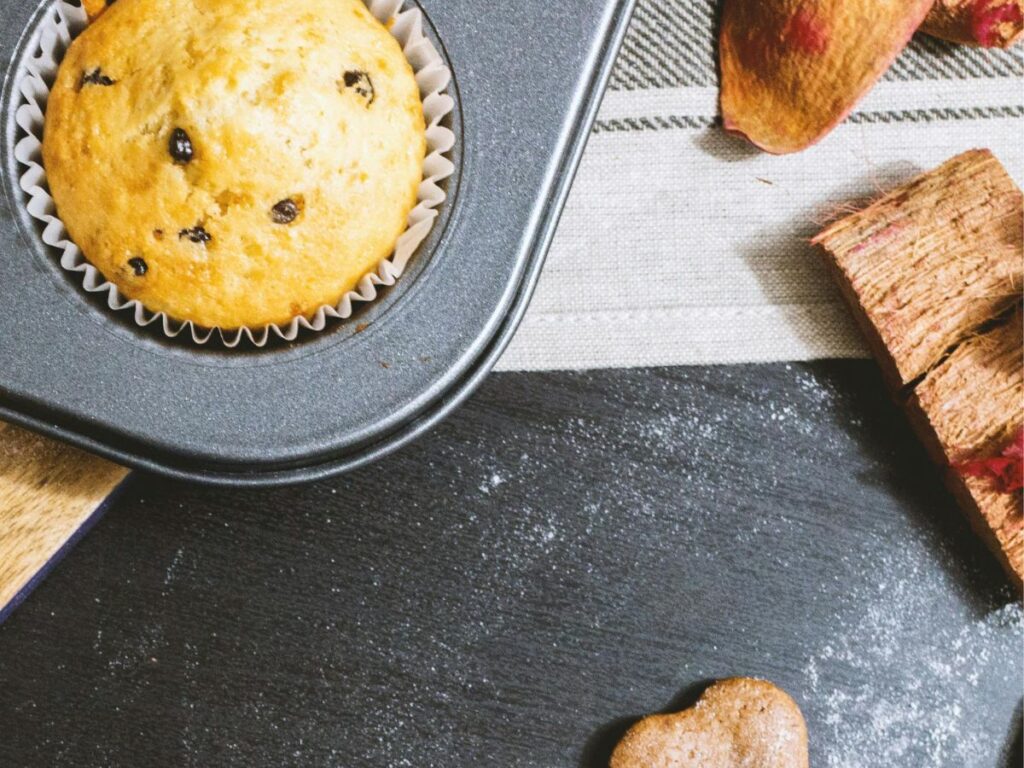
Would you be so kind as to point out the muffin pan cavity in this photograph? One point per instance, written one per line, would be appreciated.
(528, 80)
(41, 50)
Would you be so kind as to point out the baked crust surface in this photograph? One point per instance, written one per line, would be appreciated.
(235, 162)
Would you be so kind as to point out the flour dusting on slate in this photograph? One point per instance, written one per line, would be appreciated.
(913, 698)
(569, 552)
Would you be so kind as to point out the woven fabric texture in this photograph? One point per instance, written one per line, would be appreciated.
(681, 245)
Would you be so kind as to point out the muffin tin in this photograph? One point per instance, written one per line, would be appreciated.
(528, 77)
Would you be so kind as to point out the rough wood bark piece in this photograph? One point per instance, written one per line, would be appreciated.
(932, 272)
(929, 263)
(996, 518)
(970, 407)
(989, 23)
(736, 722)
(973, 398)
(48, 492)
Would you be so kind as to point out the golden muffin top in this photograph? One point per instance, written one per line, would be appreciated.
(235, 162)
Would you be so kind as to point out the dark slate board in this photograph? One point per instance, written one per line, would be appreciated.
(570, 551)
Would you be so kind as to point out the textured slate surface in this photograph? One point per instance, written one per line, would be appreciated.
(570, 551)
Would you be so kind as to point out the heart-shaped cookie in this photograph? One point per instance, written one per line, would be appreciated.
(738, 723)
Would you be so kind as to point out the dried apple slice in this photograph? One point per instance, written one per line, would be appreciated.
(793, 69)
(988, 23)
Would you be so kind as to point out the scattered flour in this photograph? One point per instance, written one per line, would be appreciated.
(931, 680)
(173, 567)
(491, 483)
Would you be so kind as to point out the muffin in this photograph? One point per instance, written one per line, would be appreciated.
(95, 7)
(235, 163)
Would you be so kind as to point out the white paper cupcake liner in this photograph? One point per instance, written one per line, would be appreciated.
(433, 77)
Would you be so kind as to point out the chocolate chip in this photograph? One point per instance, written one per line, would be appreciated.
(158, 234)
(362, 84)
(96, 77)
(285, 212)
(197, 235)
(139, 266)
(180, 147)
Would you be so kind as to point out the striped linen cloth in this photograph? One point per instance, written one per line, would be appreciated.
(681, 245)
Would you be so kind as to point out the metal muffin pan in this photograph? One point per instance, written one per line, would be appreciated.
(528, 77)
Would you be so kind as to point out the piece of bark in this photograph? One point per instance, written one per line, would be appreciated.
(973, 399)
(996, 517)
(988, 23)
(932, 273)
(929, 263)
(970, 407)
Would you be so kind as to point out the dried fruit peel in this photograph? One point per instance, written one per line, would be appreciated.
(793, 69)
(988, 23)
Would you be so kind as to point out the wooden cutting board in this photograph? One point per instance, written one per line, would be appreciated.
(50, 494)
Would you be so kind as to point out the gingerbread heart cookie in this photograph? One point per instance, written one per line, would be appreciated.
(737, 723)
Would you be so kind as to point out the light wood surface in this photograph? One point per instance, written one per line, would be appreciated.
(47, 492)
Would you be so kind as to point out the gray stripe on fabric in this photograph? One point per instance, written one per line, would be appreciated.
(690, 122)
(671, 43)
(646, 124)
